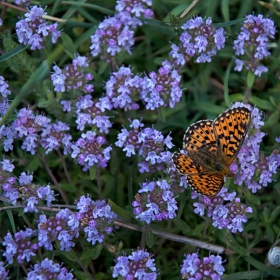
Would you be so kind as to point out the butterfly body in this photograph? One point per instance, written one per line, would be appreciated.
(211, 146)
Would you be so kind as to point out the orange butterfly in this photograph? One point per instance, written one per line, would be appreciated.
(211, 147)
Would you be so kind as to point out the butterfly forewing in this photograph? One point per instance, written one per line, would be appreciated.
(206, 184)
(198, 135)
(230, 129)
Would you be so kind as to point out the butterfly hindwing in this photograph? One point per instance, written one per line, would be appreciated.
(206, 183)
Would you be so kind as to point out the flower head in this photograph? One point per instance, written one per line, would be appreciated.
(90, 152)
(138, 8)
(56, 228)
(113, 35)
(200, 40)
(208, 268)
(252, 42)
(95, 218)
(48, 269)
(161, 89)
(73, 76)
(138, 265)
(22, 246)
(154, 201)
(33, 29)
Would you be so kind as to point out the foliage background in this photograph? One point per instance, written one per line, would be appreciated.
(205, 94)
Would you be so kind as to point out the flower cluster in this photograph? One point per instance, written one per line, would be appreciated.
(253, 168)
(138, 8)
(161, 89)
(73, 76)
(94, 217)
(23, 247)
(33, 29)
(48, 269)
(27, 126)
(154, 201)
(3, 272)
(123, 89)
(25, 2)
(4, 91)
(89, 151)
(209, 268)
(252, 42)
(230, 216)
(56, 229)
(22, 188)
(113, 35)
(149, 142)
(92, 112)
(138, 265)
(200, 40)
(53, 136)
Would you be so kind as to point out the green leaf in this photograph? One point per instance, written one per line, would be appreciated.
(253, 274)
(92, 172)
(70, 255)
(96, 251)
(119, 211)
(262, 267)
(149, 238)
(261, 103)
(162, 113)
(250, 79)
(86, 254)
(11, 219)
(274, 214)
(90, 6)
(233, 244)
(182, 225)
(68, 44)
(270, 233)
(199, 228)
(12, 53)
(225, 9)
(226, 95)
(228, 23)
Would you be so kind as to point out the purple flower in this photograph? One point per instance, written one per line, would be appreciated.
(28, 126)
(231, 215)
(138, 8)
(252, 43)
(154, 201)
(161, 89)
(33, 29)
(138, 265)
(149, 143)
(89, 151)
(92, 112)
(3, 272)
(4, 88)
(195, 269)
(23, 246)
(73, 76)
(66, 105)
(95, 218)
(123, 89)
(53, 137)
(200, 40)
(254, 169)
(113, 35)
(25, 2)
(48, 269)
(57, 229)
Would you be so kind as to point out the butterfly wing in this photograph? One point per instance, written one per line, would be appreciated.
(201, 181)
(185, 165)
(206, 183)
(200, 135)
(230, 129)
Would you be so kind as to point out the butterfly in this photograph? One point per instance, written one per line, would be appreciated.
(211, 146)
